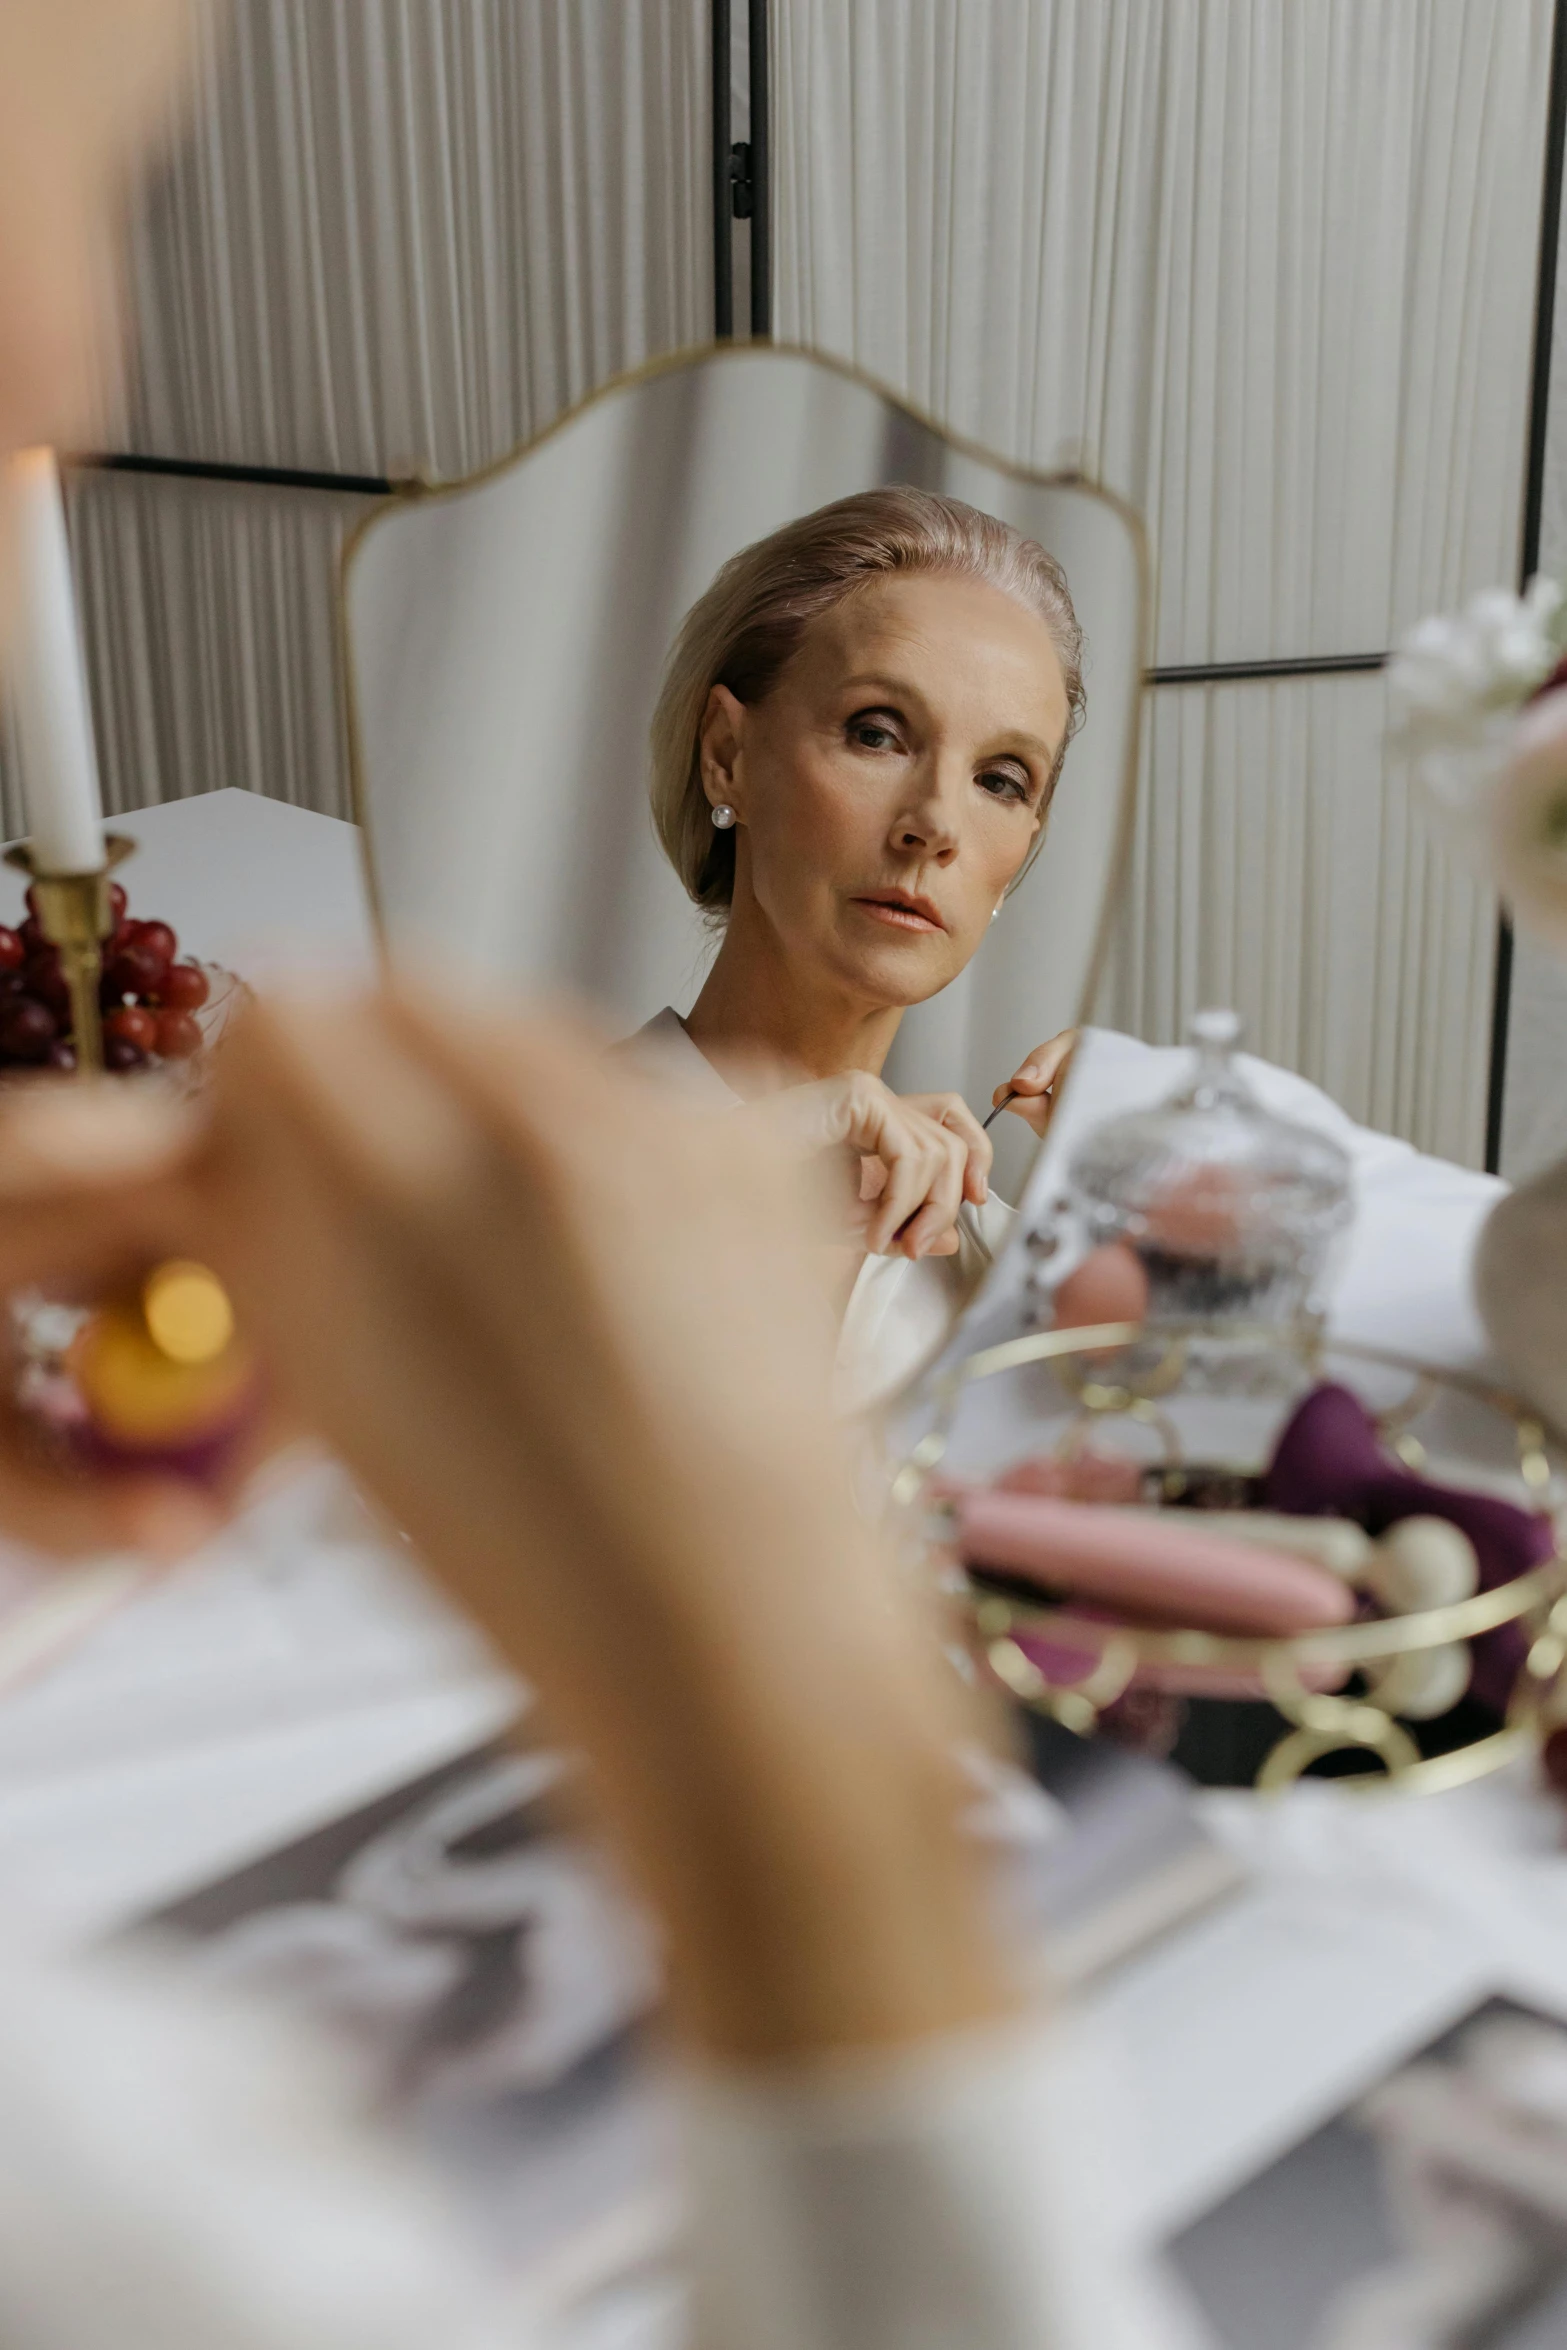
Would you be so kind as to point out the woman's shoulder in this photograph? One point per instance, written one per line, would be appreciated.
(662, 1050)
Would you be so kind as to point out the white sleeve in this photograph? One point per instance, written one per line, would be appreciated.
(957, 2198)
(178, 2172)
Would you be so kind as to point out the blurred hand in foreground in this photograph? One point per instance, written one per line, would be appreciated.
(83, 85)
(567, 1338)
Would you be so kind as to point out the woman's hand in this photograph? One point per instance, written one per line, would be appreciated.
(920, 1156)
(568, 1338)
(1032, 1092)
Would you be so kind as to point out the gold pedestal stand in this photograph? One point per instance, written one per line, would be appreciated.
(1321, 1721)
(75, 916)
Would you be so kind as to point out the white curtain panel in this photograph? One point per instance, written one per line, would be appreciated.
(1268, 270)
(210, 626)
(1284, 878)
(405, 234)
(1265, 268)
(394, 237)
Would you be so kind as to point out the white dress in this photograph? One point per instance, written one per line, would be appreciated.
(899, 1310)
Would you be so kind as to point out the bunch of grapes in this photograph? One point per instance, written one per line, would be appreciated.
(149, 999)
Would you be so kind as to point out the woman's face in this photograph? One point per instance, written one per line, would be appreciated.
(891, 785)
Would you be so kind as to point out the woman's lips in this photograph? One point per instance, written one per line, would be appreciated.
(899, 914)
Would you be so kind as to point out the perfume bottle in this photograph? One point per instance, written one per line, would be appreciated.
(1231, 1210)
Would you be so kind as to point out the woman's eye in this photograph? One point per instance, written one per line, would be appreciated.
(871, 735)
(1003, 784)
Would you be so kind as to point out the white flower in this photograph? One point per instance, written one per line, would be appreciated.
(1457, 684)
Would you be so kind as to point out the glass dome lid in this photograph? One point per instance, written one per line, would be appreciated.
(1230, 1208)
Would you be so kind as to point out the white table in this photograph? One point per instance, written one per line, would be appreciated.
(242, 880)
(298, 1669)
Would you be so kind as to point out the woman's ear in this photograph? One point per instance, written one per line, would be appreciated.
(720, 747)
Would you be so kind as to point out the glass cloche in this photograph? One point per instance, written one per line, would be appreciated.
(1231, 1209)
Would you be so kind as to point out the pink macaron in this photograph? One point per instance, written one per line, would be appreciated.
(1154, 1567)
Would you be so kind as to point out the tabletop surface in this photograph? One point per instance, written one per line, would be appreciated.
(242, 880)
(300, 1667)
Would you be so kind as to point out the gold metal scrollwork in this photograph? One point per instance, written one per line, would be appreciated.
(1322, 1721)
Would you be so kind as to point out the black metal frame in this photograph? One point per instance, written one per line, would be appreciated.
(723, 196)
(1238, 672)
(761, 174)
(742, 172)
(264, 477)
(1533, 496)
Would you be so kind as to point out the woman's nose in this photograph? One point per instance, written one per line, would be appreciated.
(927, 822)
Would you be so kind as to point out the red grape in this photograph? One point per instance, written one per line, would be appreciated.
(183, 988)
(179, 1035)
(119, 1054)
(156, 939)
(31, 934)
(11, 950)
(43, 979)
(26, 1031)
(32, 899)
(135, 971)
(62, 1055)
(134, 1025)
(117, 903)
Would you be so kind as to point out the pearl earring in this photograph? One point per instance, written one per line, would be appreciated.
(995, 914)
(723, 818)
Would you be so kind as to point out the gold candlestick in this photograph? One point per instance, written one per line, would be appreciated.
(76, 916)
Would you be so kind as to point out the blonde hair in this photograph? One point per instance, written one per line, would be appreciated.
(747, 627)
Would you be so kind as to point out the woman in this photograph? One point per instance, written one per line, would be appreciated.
(854, 754)
(474, 1260)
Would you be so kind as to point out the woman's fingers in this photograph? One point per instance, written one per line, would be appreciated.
(952, 1111)
(929, 1151)
(919, 1207)
(1042, 1068)
(907, 1147)
(1032, 1091)
(88, 1176)
(933, 1229)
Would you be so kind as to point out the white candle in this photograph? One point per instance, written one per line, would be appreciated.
(47, 677)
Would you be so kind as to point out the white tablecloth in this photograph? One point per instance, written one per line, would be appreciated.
(300, 1667)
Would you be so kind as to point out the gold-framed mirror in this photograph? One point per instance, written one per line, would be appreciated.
(505, 636)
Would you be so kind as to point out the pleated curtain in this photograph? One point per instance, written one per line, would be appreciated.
(1264, 266)
(1268, 270)
(397, 237)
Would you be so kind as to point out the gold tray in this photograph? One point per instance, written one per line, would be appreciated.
(1321, 1722)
